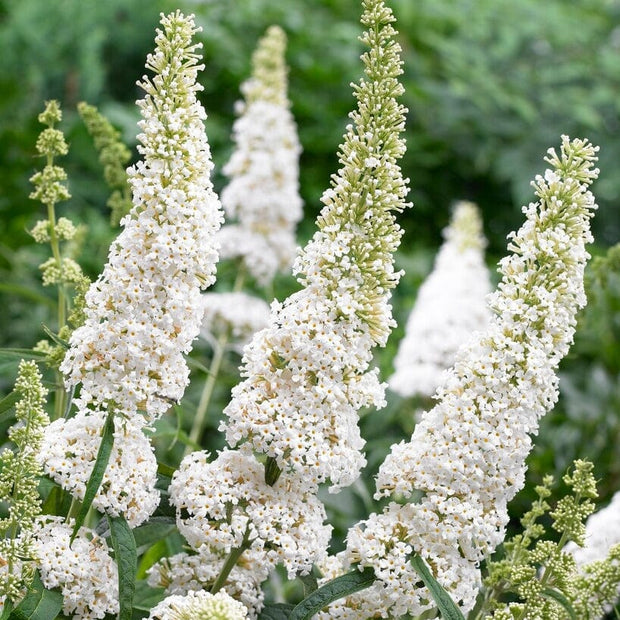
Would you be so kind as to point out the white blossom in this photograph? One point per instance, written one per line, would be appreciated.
(68, 455)
(83, 569)
(307, 374)
(226, 504)
(184, 572)
(263, 192)
(199, 606)
(450, 307)
(238, 314)
(466, 458)
(144, 311)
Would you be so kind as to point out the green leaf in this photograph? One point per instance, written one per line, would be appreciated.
(309, 581)
(156, 528)
(94, 482)
(333, 590)
(63, 343)
(9, 401)
(126, 556)
(277, 611)
(39, 603)
(11, 354)
(165, 470)
(560, 598)
(146, 597)
(447, 607)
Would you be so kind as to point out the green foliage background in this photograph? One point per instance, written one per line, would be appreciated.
(490, 85)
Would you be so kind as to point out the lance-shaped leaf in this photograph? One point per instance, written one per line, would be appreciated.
(333, 590)
(96, 477)
(447, 607)
(126, 556)
(38, 604)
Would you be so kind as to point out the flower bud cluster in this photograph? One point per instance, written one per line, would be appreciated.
(199, 606)
(466, 458)
(184, 572)
(19, 479)
(450, 307)
(113, 155)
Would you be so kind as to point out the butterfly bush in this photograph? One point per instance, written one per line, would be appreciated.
(263, 192)
(19, 480)
(466, 458)
(306, 374)
(229, 506)
(199, 606)
(145, 309)
(128, 487)
(83, 569)
(450, 306)
(185, 572)
(237, 314)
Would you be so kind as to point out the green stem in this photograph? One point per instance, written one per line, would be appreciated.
(60, 400)
(229, 564)
(214, 369)
(207, 392)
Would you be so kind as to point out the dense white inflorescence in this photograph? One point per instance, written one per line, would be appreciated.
(183, 572)
(145, 310)
(307, 374)
(68, 455)
(226, 504)
(466, 458)
(263, 193)
(450, 307)
(199, 606)
(83, 569)
(238, 314)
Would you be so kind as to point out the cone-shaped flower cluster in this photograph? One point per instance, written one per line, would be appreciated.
(307, 373)
(450, 307)
(19, 481)
(237, 314)
(145, 310)
(466, 458)
(263, 193)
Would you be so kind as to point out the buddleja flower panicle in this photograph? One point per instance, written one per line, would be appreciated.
(144, 310)
(114, 155)
(19, 480)
(263, 192)
(307, 373)
(450, 306)
(467, 454)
